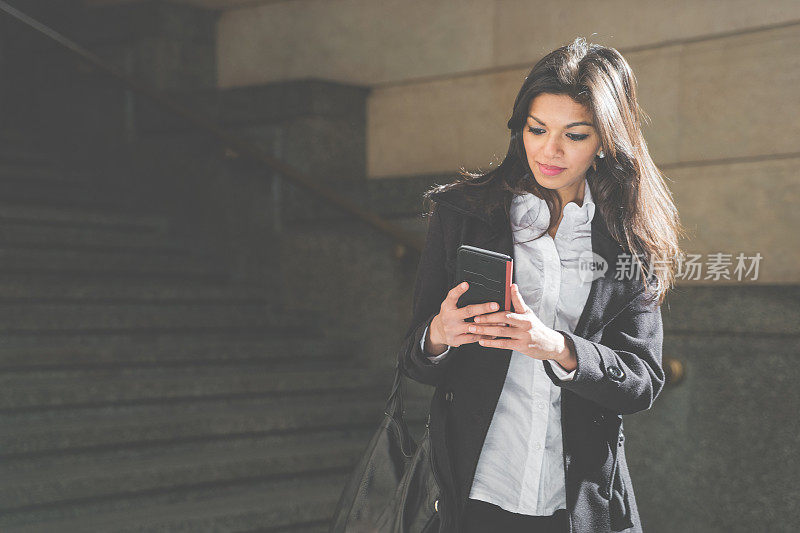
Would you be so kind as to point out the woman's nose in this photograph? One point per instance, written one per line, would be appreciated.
(552, 148)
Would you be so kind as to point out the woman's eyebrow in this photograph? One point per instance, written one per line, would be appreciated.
(570, 125)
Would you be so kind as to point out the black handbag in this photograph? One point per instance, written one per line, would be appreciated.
(393, 489)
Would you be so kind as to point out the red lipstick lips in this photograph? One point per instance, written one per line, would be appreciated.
(550, 170)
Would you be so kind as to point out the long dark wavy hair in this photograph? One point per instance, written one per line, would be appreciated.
(628, 190)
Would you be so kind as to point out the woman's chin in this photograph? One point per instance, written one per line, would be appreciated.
(550, 182)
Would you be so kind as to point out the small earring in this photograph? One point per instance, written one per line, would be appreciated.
(601, 155)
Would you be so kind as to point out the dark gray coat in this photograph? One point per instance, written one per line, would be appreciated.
(617, 340)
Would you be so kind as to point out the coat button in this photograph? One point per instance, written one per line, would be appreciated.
(598, 419)
(615, 373)
(448, 396)
(604, 493)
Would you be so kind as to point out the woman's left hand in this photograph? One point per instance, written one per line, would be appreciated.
(526, 333)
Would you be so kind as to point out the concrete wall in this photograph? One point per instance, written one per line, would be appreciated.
(716, 78)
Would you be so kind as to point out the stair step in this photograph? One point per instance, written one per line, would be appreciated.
(97, 259)
(116, 473)
(11, 153)
(21, 234)
(33, 352)
(47, 171)
(307, 502)
(14, 139)
(37, 337)
(94, 387)
(81, 218)
(109, 278)
(124, 314)
(34, 170)
(80, 429)
(63, 289)
(70, 194)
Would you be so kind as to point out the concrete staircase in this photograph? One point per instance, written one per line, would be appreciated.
(141, 391)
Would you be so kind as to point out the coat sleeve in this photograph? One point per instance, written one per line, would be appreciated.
(623, 372)
(430, 290)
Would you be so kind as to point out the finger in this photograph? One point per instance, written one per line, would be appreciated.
(495, 331)
(503, 328)
(508, 318)
(465, 329)
(478, 309)
(467, 338)
(482, 323)
(504, 344)
(516, 299)
(500, 317)
(451, 301)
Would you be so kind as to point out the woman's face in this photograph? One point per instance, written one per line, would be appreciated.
(559, 133)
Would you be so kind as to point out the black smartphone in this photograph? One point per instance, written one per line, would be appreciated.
(489, 276)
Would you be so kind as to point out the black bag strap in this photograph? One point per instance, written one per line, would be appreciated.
(394, 409)
(394, 404)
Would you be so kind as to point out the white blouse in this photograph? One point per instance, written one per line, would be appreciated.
(521, 466)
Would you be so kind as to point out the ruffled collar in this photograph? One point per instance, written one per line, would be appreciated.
(530, 215)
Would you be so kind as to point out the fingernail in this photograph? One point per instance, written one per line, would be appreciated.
(494, 306)
(464, 285)
(472, 328)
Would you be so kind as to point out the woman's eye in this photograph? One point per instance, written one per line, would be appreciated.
(577, 136)
(573, 136)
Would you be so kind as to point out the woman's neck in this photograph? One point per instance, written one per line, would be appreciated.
(576, 194)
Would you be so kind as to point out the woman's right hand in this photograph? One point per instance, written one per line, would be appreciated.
(448, 328)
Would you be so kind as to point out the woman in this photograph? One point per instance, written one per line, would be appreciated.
(526, 419)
